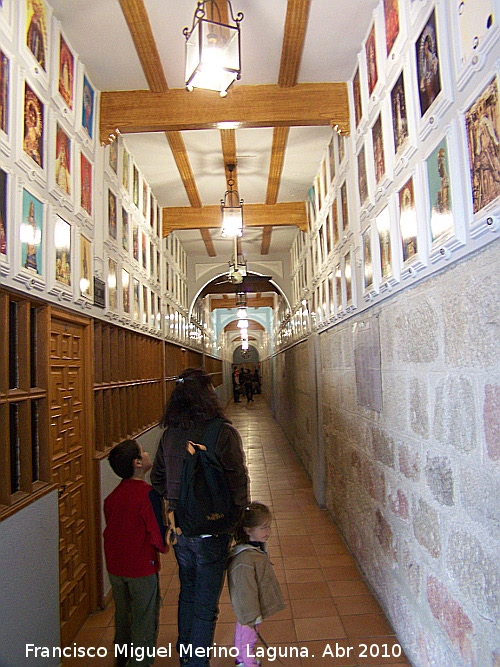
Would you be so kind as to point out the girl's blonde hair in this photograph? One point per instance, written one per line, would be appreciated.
(252, 516)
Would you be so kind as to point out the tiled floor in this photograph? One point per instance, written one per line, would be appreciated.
(331, 617)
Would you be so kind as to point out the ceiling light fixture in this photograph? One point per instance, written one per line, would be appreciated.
(232, 209)
(213, 50)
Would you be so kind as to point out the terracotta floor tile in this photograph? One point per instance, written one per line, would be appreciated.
(353, 587)
(357, 604)
(366, 625)
(315, 590)
(311, 608)
(303, 575)
(319, 628)
(301, 562)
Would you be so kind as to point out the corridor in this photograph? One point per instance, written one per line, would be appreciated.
(331, 617)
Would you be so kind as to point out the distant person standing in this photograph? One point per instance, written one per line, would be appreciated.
(236, 385)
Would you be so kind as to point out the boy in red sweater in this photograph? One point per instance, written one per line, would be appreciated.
(133, 536)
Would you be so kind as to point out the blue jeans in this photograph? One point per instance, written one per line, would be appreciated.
(202, 565)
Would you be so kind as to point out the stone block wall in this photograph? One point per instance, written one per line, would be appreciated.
(415, 489)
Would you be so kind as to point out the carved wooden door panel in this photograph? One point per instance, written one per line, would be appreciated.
(69, 413)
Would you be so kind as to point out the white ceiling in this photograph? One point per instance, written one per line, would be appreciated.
(97, 31)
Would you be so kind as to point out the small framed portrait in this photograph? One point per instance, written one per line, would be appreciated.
(441, 223)
(366, 240)
(112, 223)
(31, 233)
(348, 279)
(482, 121)
(63, 160)
(345, 207)
(378, 149)
(331, 158)
(144, 304)
(85, 184)
(88, 107)
(371, 60)
(341, 148)
(86, 271)
(135, 185)
(335, 222)
(34, 126)
(428, 70)
(37, 36)
(356, 94)
(113, 156)
(4, 192)
(125, 230)
(62, 245)
(4, 92)
(328, 233)
(137, 291)
(312, 205)
(66, 79)
(408, 221)
(383, 226)
(145, 196)
(136, 233)
(112, 287)
(391, 19)
(126, 291)
(362, 177)
(144, 253)
(158, 312)
(399, 114)
(125, 169)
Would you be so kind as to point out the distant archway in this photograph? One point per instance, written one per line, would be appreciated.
(242, 357)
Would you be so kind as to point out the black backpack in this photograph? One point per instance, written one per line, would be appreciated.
(205, 505)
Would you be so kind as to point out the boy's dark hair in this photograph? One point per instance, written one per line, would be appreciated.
(252, 516)
(193, 400)
(121, 458)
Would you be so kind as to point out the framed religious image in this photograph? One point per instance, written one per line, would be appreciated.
(408, 221)
(4, 182)
(62, 160)
(34, 126)
(399, 114)
(85, 184)
(475, 20)
(144, 253)
(125, 169)
(152, 255)
(441, 223)
(36, 32)
(125, 230)
(66, 76)
(482, 121)
(312, 206)
(378, 149)
(4, 92)
(356, 94)
(145, 200)
(113, 156)
(338, 287)
(152, 307)
(126, 291)
(158, 312)
(112, 293)
(135, 185)
(31, 233)
(362, 177)
(341, 148)
(383, 226)
(62, 245)
(87, 111)
(391, 18)
(348, 279)
(318, 191)
(428, 70)
(331, 158)
(371, 60)
(335, 222)
(144, 304)
(367, 260)
(345, 207)
(112, 222)
(136, 232)
(136, 290)
(328, 235)
(86, 282)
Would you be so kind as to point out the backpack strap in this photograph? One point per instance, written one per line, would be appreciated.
(211, 433)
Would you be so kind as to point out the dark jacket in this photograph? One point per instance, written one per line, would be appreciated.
(167, 466)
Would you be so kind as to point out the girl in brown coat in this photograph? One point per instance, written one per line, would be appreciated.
(253, 586)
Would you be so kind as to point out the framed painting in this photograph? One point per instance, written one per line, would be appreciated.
(4, 92)
(85, 184)
(158, 312)
(152, 255)
(328, 235)
(34, 126)
(378, 149)
(66, 78)
(112, 222)
(362, 177)
(135, 185)
(356, 93)
(428, 70)
(441, 223)
(88, 107)
(348, 279)
(367, 260)
(482, 120)
(371, 60)
(391, 19)
(399, 114)
(31, 233)
(4, 182)
(144, 253)
(86, 283)
(345, 207)
(135, 240)
(125, 230)
(36, 32)
(62, 162)
(331, 158)
(62, 245)
(112, 289)
(145, 200)
(383, 225)
(335, 222)
(408, 220)
(338, 288)
(144, 304)
(341, 148)
(136, 292)
(125, 169)
(113, 156)
(126, 291)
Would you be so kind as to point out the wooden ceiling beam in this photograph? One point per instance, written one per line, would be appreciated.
(251, 106)
(230, 303)
(254, 215)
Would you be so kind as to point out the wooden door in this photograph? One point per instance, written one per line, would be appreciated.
(71, 447)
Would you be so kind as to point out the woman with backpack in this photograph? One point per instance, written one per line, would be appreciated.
(191, 416)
